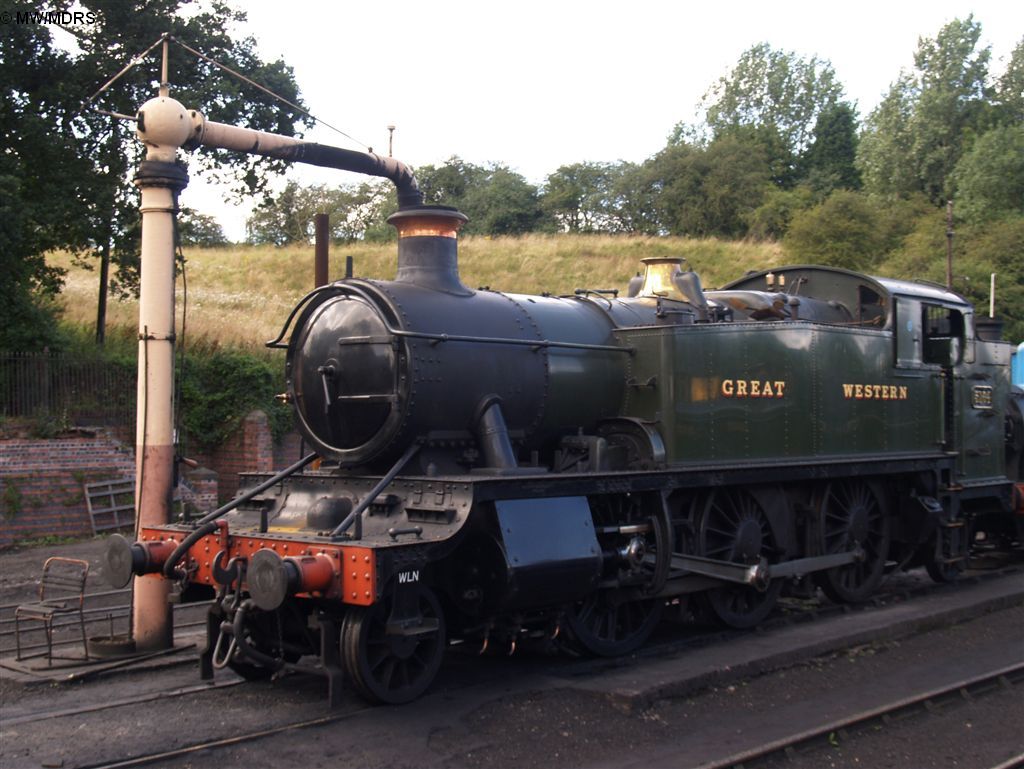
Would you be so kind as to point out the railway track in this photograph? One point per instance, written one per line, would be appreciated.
(845, 729)
(226, 742)
(123, 702)
(192, 697)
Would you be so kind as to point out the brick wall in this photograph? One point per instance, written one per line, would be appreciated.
(249, 449)
(203, 484)
(289, 451)
(41, 482)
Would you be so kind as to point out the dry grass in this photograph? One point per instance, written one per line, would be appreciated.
(240, 295)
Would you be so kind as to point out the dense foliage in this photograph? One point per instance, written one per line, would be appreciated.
(220, 387)
(39, 210)
(90, 205)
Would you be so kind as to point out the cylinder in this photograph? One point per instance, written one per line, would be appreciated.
(375, 365)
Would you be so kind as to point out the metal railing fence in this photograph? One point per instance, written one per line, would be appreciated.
(66, 390)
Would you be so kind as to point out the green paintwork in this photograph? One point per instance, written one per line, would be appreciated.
(980, 429)
(819, 414)
(875, 385)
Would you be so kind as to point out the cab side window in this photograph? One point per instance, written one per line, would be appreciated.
(943, 330)
(870, 307)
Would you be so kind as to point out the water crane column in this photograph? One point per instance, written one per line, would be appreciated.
(163, 125)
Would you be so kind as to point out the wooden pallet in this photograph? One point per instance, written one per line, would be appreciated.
(111, 504)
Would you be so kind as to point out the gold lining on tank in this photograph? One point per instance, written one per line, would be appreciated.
(428, 226)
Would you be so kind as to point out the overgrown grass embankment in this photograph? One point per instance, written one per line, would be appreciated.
(239, 296)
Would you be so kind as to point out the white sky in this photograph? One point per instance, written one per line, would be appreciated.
(536, 85)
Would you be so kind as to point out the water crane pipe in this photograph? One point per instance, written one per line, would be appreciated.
(165, 121)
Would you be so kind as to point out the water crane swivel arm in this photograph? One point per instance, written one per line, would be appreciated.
(164, 124)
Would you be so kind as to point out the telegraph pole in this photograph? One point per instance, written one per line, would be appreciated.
(949, 244)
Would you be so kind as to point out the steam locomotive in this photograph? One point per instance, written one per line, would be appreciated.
(492, 467)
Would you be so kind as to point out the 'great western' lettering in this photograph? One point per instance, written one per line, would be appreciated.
(874, 392)
(753, 388)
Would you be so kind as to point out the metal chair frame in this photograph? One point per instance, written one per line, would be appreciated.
(61, 591)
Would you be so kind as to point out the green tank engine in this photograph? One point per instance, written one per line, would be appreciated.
(491, 467)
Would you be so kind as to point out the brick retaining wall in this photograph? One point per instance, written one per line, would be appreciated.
(41, 480)
(249, 449)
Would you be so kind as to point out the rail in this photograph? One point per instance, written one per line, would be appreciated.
(1011, 675)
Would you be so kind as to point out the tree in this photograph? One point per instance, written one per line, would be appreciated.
(884, 151)
(844, 231)
(361, 211)
(576, 196)
(356, 212)
(286, 218)
(951, 102)
(126, 29)
(42, 205)
(773, 88)
(853, 230)
(711, 191)
(771, 219)
(497, 200)
(196, 229)
(632, 200)
(990, 178)
(506, 204)
(451, 183)
(830, 161)
(915, 137)
(1010, 91)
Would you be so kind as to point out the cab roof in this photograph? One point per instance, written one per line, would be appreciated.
(842, 285)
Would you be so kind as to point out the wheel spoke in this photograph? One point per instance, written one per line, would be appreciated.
(379, 670)
(732, 522)
(851, 515)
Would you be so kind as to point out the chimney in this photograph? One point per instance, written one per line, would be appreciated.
(428, 253)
